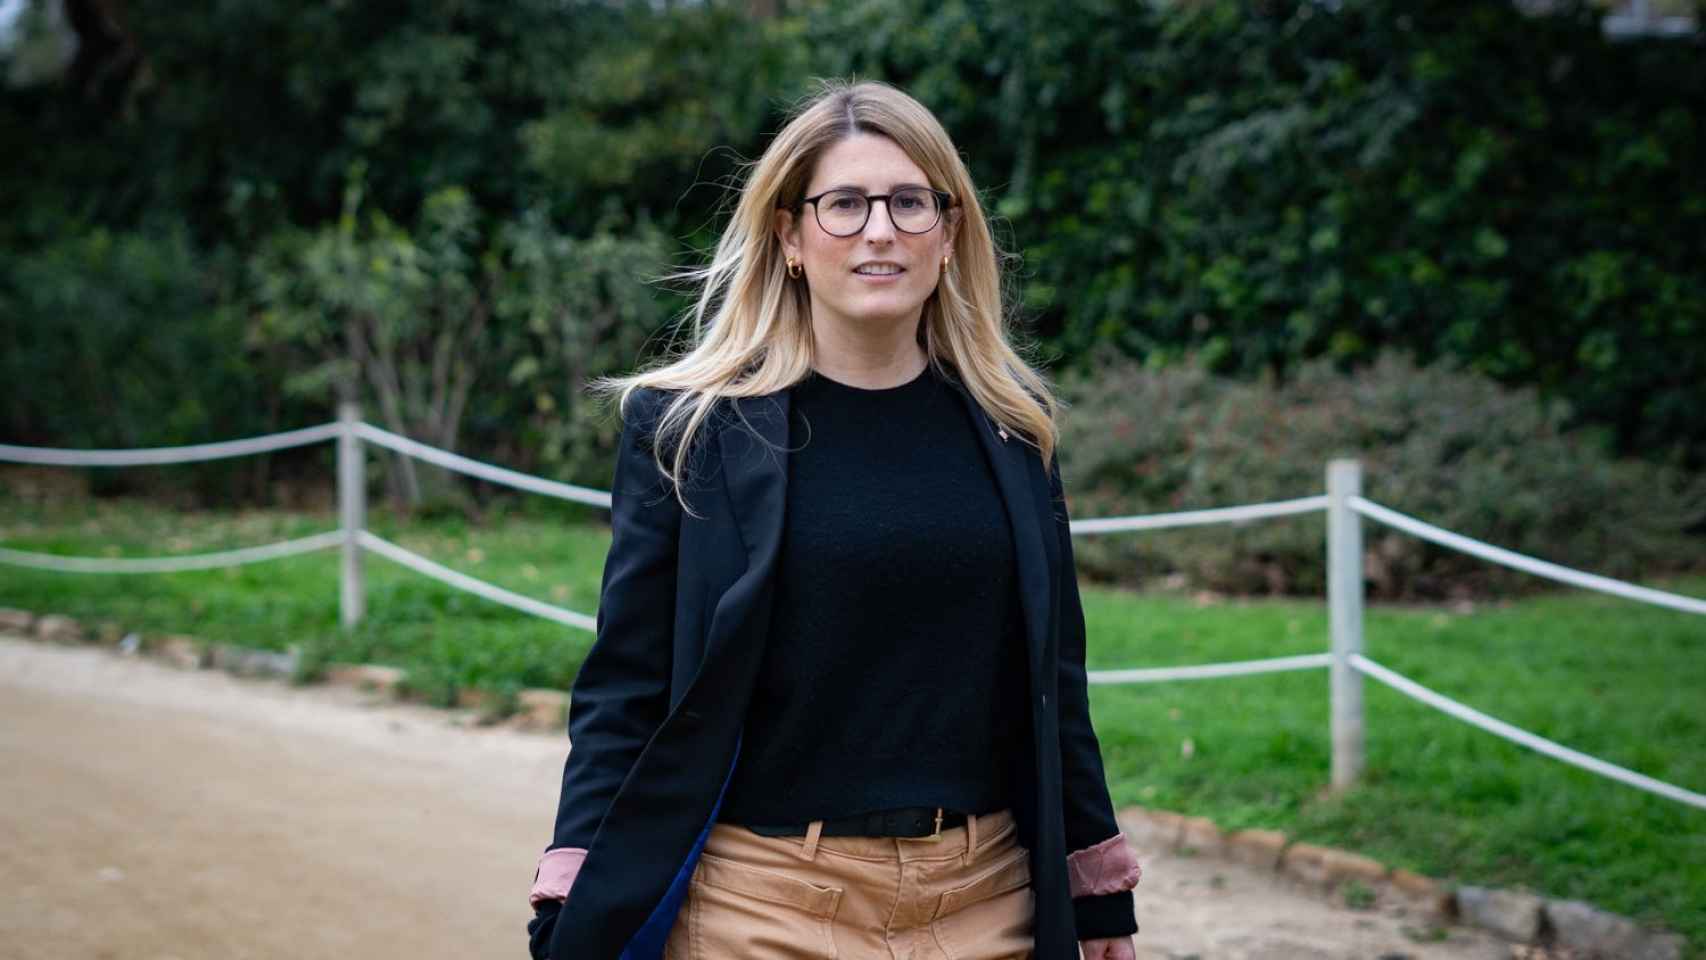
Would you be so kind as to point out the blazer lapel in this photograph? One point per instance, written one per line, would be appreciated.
(755, 468)
(1024, 490)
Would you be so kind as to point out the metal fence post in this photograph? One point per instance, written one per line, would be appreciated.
(1344, 603)
(352, 514)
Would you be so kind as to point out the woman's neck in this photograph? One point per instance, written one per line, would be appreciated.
(869, 362)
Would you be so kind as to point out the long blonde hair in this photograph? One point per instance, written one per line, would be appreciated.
(751, 326)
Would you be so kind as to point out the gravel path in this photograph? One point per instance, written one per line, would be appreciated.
(154, 814)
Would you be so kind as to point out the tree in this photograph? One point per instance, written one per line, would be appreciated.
(399, 317)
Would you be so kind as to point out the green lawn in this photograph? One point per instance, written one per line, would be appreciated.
(1616, 679)
(1622, 681)
(445, 638)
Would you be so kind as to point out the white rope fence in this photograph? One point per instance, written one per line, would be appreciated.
(1343, 503)
(1492, 725)
(1509, 558)
(155, 456)
(485, 471)
(200, 561)
(1239, 668)
(1192, 518)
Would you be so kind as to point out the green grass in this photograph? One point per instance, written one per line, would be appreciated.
(444, 638)
(1616, 679)
(1619, 680)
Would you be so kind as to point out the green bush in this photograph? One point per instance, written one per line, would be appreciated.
(1266, 183)
(1437, 443)
(129, 339)
(1259, 184)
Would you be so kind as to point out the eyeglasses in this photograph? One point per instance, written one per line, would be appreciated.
(844, 213)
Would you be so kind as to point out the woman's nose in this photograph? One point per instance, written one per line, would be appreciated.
(878, 226)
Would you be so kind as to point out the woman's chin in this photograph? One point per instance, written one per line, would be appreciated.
(877, 308)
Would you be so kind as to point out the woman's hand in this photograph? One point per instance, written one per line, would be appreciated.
(1115, 948)
(540, 928)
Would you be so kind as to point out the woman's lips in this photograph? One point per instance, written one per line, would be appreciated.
(881, 278)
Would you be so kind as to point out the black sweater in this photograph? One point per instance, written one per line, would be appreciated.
(894, 671)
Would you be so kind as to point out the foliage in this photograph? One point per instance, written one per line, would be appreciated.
(1265, 183)
(1253, 184)
(1444, 445)
(653, 122)
(572, 309)
(130, 339)
(247, 115)
(428, 323)
(383, 313)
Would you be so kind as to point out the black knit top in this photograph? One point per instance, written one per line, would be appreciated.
(894, 672)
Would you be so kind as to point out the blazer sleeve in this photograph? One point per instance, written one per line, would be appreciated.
(1101, 867)
(621, 694)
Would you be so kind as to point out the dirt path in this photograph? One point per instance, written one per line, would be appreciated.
(152, 814)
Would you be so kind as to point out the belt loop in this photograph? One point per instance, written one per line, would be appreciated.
(971, 837)
(813, 831)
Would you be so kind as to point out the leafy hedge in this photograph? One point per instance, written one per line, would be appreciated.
(1252, 185)
(133, 338)
(1440, 444)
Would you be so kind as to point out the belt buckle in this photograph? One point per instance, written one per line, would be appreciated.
(936, 836)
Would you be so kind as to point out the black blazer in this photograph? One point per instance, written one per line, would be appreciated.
(657, 709)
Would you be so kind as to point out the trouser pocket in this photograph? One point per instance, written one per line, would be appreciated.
(991, 915)
(734, 909)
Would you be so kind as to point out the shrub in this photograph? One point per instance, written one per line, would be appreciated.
(1437, 443)
(128, 339)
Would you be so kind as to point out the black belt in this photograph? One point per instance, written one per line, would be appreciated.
(911, 822)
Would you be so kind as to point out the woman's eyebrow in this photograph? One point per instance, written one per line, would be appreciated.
(859, 188)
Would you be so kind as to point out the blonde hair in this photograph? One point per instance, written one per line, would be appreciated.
(751, 326)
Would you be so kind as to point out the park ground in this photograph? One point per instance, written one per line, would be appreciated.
(154, 813)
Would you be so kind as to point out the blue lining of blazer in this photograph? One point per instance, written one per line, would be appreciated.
(648, 941)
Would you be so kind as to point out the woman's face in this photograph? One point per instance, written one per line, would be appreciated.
(881, 275)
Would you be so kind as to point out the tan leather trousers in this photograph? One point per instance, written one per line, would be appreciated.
(965, 896)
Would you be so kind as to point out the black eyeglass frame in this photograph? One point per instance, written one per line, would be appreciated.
(945, 202)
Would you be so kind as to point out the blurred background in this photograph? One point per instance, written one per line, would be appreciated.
(1460, 242)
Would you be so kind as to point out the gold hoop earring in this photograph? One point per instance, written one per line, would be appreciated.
(795, 271)
(944, 263)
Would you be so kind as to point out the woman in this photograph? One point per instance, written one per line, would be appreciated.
(836, 705)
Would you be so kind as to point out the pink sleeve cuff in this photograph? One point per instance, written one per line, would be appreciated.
(556, 874)
(1108, 867)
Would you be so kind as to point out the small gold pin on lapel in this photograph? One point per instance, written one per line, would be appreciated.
(1003, 432)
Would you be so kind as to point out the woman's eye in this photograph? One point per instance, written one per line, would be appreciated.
(846, 203)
